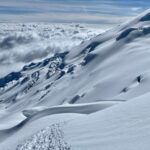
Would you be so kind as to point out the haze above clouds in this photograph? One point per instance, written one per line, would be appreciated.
(108, 12)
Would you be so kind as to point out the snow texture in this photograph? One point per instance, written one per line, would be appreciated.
(50, 138)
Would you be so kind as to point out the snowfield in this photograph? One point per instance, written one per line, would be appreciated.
(92, 95)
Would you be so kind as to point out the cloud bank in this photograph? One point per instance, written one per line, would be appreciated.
(21, 44)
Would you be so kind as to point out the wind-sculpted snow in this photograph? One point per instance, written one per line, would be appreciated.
(50, 138)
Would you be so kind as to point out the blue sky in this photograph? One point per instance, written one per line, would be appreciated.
(108, 12)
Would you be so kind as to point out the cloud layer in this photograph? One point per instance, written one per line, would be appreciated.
(21, 44)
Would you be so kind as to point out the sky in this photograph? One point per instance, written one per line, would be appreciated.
(107, 12)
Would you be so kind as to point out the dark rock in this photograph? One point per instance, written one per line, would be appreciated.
(91, 47)
(10, 77)
(88, 59)
(146, 17)
(74, 99)
(125, 33)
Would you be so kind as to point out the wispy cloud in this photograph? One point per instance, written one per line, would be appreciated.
(85, 11)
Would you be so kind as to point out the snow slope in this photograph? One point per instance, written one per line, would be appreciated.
(122, 127)
(60, 100)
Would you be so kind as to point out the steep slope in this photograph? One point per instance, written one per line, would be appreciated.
(86, 72)
(109, 69)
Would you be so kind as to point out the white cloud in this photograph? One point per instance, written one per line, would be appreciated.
(21, 44)
(136, 8)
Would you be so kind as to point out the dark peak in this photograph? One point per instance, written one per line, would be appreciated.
(10, 77)
(45, 62)
(146, 17)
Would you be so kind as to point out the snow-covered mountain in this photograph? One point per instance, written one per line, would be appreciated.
(23, 43)
(60, 102)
